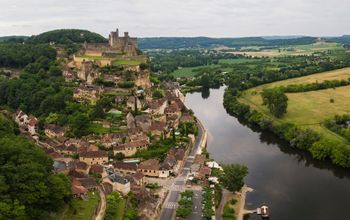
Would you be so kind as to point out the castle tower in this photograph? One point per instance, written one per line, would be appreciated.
(113, 37)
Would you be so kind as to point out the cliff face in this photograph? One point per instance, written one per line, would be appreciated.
(142, 79)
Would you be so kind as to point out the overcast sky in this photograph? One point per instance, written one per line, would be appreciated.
(146, 18)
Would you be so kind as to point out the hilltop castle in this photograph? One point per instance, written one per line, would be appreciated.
(116, 45)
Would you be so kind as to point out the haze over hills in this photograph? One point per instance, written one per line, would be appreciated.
(79, 36)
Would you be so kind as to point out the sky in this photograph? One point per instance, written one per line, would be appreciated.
(164, 18)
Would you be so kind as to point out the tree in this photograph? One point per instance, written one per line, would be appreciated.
(233, 176)
(28, 189)
(157, 94)
(79, 124)
(112, 205)
(304, 139)
(276, 101)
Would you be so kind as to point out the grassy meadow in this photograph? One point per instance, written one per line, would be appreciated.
(308, 109)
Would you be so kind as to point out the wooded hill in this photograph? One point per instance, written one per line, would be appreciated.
(205, 42)
(67, 36)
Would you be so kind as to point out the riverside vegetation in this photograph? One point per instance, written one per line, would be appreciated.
(293, 89)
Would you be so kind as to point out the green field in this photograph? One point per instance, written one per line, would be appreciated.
(189, 71)
(83, 209)
(98, 129)
(126, 62)
(93, 57)
(308, 109)
(318, 77)
(290, 50)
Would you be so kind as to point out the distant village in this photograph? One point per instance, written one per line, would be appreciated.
(108, 161)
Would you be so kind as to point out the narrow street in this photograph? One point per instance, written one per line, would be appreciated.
(102, 207)
(170, 204)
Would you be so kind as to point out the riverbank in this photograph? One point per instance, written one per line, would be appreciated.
(280, 175)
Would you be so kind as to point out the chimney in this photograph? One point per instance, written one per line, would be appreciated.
(117, 32)
(126, 34)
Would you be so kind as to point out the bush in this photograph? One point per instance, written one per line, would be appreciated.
(322, 149)
(126, 84)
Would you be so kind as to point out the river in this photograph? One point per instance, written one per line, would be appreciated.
(290, 182)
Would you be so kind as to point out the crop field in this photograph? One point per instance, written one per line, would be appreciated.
(338, 74)
(308, 109)
(290, 51)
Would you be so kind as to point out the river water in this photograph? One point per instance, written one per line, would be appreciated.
(294, 186)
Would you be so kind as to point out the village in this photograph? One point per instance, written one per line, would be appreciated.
(146, 140)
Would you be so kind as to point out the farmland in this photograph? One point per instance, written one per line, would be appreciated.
(288, 51)
(338, 74)
(308, 109)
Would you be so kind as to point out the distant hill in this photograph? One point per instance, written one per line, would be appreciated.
(13, 38)
(345, 39)
(66, 36)
(205, 42)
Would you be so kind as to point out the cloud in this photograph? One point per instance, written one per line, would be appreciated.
(215, 18)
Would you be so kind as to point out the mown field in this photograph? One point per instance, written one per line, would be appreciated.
(308, 109)
(338, 74)
(289, 51)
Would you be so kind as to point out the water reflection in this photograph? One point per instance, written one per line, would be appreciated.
(293, 184)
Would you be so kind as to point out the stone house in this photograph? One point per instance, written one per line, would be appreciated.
(130, 148)
(87, 93)
(130, 121)
(119, 99)
(118, 182)
(82, 167)
(29, 123)
(96, 169)
(87, 72)
(94, 157)
(158, 129)
(112, 139)
(134, 133)
(144, 122)
(54, 131)
(137, 179)
(172, 109)
(152, 168)
(125, 168)
(157, 107)
(149, 167)
(133, 102)
(89, 183)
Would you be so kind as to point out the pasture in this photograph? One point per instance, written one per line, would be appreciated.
(308, 109)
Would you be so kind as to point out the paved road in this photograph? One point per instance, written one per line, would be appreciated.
(197, 206)
(170, 203)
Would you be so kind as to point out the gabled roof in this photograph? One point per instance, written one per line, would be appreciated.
(94, 154)
(151, 164)
(125, 166)
(157, 126)
(96, 168)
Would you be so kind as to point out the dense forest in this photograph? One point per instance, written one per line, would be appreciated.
(28, 187)
(205, 42)
(164, 61)
(19, 55)
(67, 36)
